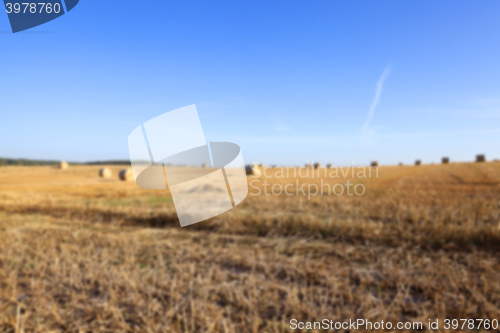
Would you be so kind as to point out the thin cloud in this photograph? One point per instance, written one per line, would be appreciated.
(378, 93)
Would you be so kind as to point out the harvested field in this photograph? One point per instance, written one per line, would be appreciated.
(80, 253)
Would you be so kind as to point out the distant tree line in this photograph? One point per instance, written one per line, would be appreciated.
(22, 161)
(114, 162)
(28, 162)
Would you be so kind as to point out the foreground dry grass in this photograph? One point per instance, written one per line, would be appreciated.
(82, 254)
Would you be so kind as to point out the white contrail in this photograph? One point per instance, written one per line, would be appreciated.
(378, 92)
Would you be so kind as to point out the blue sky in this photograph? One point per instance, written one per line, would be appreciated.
(289, 81)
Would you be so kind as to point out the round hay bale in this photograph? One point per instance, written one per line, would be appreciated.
(401, 164)
(480, 158)
(445, 160)
(418, 162)
(328, 166)
(317, 165)
(63, 165)
(374, 164)
(308, 165)
(126, 174)
(104, 173)
(252, 170)
(204, 165)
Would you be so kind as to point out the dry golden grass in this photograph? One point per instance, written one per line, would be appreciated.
(79, 253)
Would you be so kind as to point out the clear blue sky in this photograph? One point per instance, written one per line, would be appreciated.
(289, 81)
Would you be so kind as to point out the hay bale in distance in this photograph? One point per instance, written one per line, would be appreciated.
(445, 160)
(317, 165)
(418, 162)
(126, 174)
(328, 166)
(104, 173)
(308, 165)
(400, 164)
(374, 164)
(480, 158)
(252, 170)
(63, 165)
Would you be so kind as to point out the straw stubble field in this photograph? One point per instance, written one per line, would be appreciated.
(83, 254)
